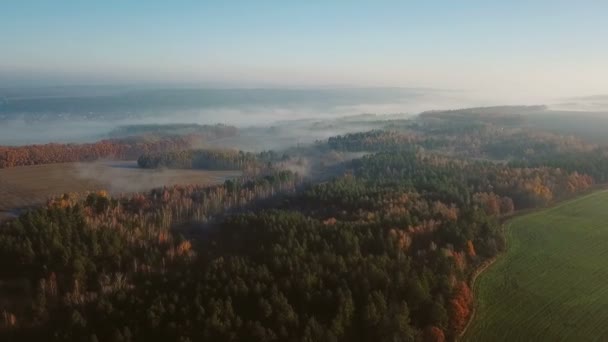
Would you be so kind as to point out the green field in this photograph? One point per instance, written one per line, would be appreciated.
(552, 283)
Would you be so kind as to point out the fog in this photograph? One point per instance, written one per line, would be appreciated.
(87, 114)
(594, 103)
(126, 177)
(267, 118)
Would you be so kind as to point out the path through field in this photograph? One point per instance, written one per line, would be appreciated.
(552, 283)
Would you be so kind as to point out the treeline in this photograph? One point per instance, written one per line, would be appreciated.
(503, 115)
(212, 159)
(376, 140)
(484, 134)
(467, 139)
(593, 162)
(199, 159)
(486, 138)
(122, 149)
(62, 153)
(461, 178)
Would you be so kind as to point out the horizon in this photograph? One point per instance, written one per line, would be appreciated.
(500, 52)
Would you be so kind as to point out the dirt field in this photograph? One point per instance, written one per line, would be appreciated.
(27, 186)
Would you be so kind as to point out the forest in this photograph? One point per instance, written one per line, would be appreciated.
(199, 159)
(133, 142)
(382, 250)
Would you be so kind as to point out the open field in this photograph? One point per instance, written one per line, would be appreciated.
(551, 284)
(27, 186)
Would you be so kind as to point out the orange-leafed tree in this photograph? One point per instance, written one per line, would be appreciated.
(460, 306)
(433, 334)
(471, 249)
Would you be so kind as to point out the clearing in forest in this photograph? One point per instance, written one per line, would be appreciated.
(27, 186)
(552, 283)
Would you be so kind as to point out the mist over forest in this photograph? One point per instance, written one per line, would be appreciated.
(90, 113)
(85, 114)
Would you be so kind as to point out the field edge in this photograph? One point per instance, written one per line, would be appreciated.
(487, 265)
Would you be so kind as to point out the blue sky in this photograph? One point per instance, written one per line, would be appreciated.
(542, 47)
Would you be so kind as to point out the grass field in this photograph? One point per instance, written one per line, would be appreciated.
(27, 186)
(552, 283)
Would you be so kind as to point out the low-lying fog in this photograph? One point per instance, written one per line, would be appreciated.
(33, 116)
(268, 118)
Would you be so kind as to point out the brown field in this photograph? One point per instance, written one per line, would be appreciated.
(27, 186)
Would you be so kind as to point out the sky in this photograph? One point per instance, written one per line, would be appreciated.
(507, 49)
